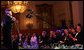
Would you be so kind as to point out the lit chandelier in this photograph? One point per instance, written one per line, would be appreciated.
(18, 6)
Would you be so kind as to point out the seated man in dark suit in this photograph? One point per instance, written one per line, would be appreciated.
(79, 35)
(43, 39)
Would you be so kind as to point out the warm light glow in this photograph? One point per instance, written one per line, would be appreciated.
(29, 22)
(17, 2)
(18, 6)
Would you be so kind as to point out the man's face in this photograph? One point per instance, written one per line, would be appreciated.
(73, 30)
(43, 33)
(54, 34)
(66, 31)
(33, 34)
(10, 13)
(78, 28)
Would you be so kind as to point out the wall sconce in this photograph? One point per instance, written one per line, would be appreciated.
(29, 24)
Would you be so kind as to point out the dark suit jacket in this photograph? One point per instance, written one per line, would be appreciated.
(80, 37)
(7, 29)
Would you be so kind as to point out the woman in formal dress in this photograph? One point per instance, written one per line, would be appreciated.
(33, 41)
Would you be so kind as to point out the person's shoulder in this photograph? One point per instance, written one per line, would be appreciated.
(81, 32)
(6, 15)
(35, 37)
(40, 35)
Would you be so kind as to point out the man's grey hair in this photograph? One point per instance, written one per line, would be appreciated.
(6, 11)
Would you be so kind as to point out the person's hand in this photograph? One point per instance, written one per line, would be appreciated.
(40, 41)
(19, 43)
(74, 39)
(61, 42)
(13, 18)
(20, 34)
